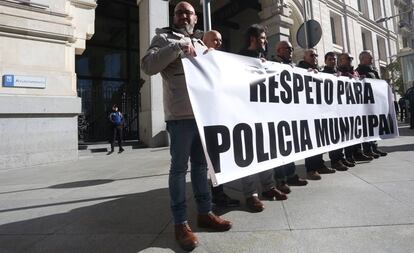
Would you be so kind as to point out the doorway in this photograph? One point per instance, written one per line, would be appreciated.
(108, 71)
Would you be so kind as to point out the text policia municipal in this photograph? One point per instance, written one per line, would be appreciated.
(287, 137)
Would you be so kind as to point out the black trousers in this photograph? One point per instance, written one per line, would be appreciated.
(116, 135)
(284, 172)
(412, 119)
(336, 155)
(365, 147)
(314, 163)
(351, 150)
(217, 191)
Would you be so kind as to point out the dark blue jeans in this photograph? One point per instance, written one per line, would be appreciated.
(185, 143)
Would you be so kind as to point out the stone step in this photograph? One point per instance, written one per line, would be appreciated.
(102, 148)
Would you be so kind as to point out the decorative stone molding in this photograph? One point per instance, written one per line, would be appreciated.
(84, 4)
(32, 7)
(274, 7)
(83, 19)
(15, 20)
(275, 15)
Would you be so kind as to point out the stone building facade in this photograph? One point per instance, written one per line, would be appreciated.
(38, 43)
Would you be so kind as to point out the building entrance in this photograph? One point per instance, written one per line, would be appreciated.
(108, 71)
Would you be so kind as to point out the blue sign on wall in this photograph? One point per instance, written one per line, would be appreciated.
(19, 81)
(8, 80)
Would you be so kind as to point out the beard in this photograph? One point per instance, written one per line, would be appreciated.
(186, 29)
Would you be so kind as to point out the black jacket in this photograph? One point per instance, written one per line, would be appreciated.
(252, 53)
(281, 60)
(305, 65)
(329, 70)
(367, 71)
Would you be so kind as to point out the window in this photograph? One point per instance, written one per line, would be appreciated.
(366, 39)
(336, 29)
(376, 4)
(384, 73)
(334, 40)
(382, 51)
(363, 7)
(405, 42)
(108, 70)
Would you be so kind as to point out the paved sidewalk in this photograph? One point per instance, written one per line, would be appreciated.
(119, 203)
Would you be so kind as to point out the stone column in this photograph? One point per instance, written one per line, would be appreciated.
(152, 14)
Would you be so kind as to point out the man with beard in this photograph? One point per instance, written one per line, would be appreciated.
(164, 56)
(256, 43)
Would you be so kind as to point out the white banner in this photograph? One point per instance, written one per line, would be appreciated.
(254, 116)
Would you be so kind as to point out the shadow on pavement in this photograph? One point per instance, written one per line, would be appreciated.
(399, 148)
(84, 183)
(406, 131)
(124, 223)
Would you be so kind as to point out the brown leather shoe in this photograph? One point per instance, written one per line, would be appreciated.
(338, 165)
(185, 237)
(213, 221)
(274, 194)
(314, 175)
(254, 204)
(325, 170)
(283, 187)
(296, 181)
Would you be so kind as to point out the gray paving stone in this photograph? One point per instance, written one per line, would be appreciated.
(120, 203)
(87, 243)
(401, 190)
(246, 242)
(377, 239)
(146, 213)
(385, 169)
(18, 243)
(347, 203)
(166, 243)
